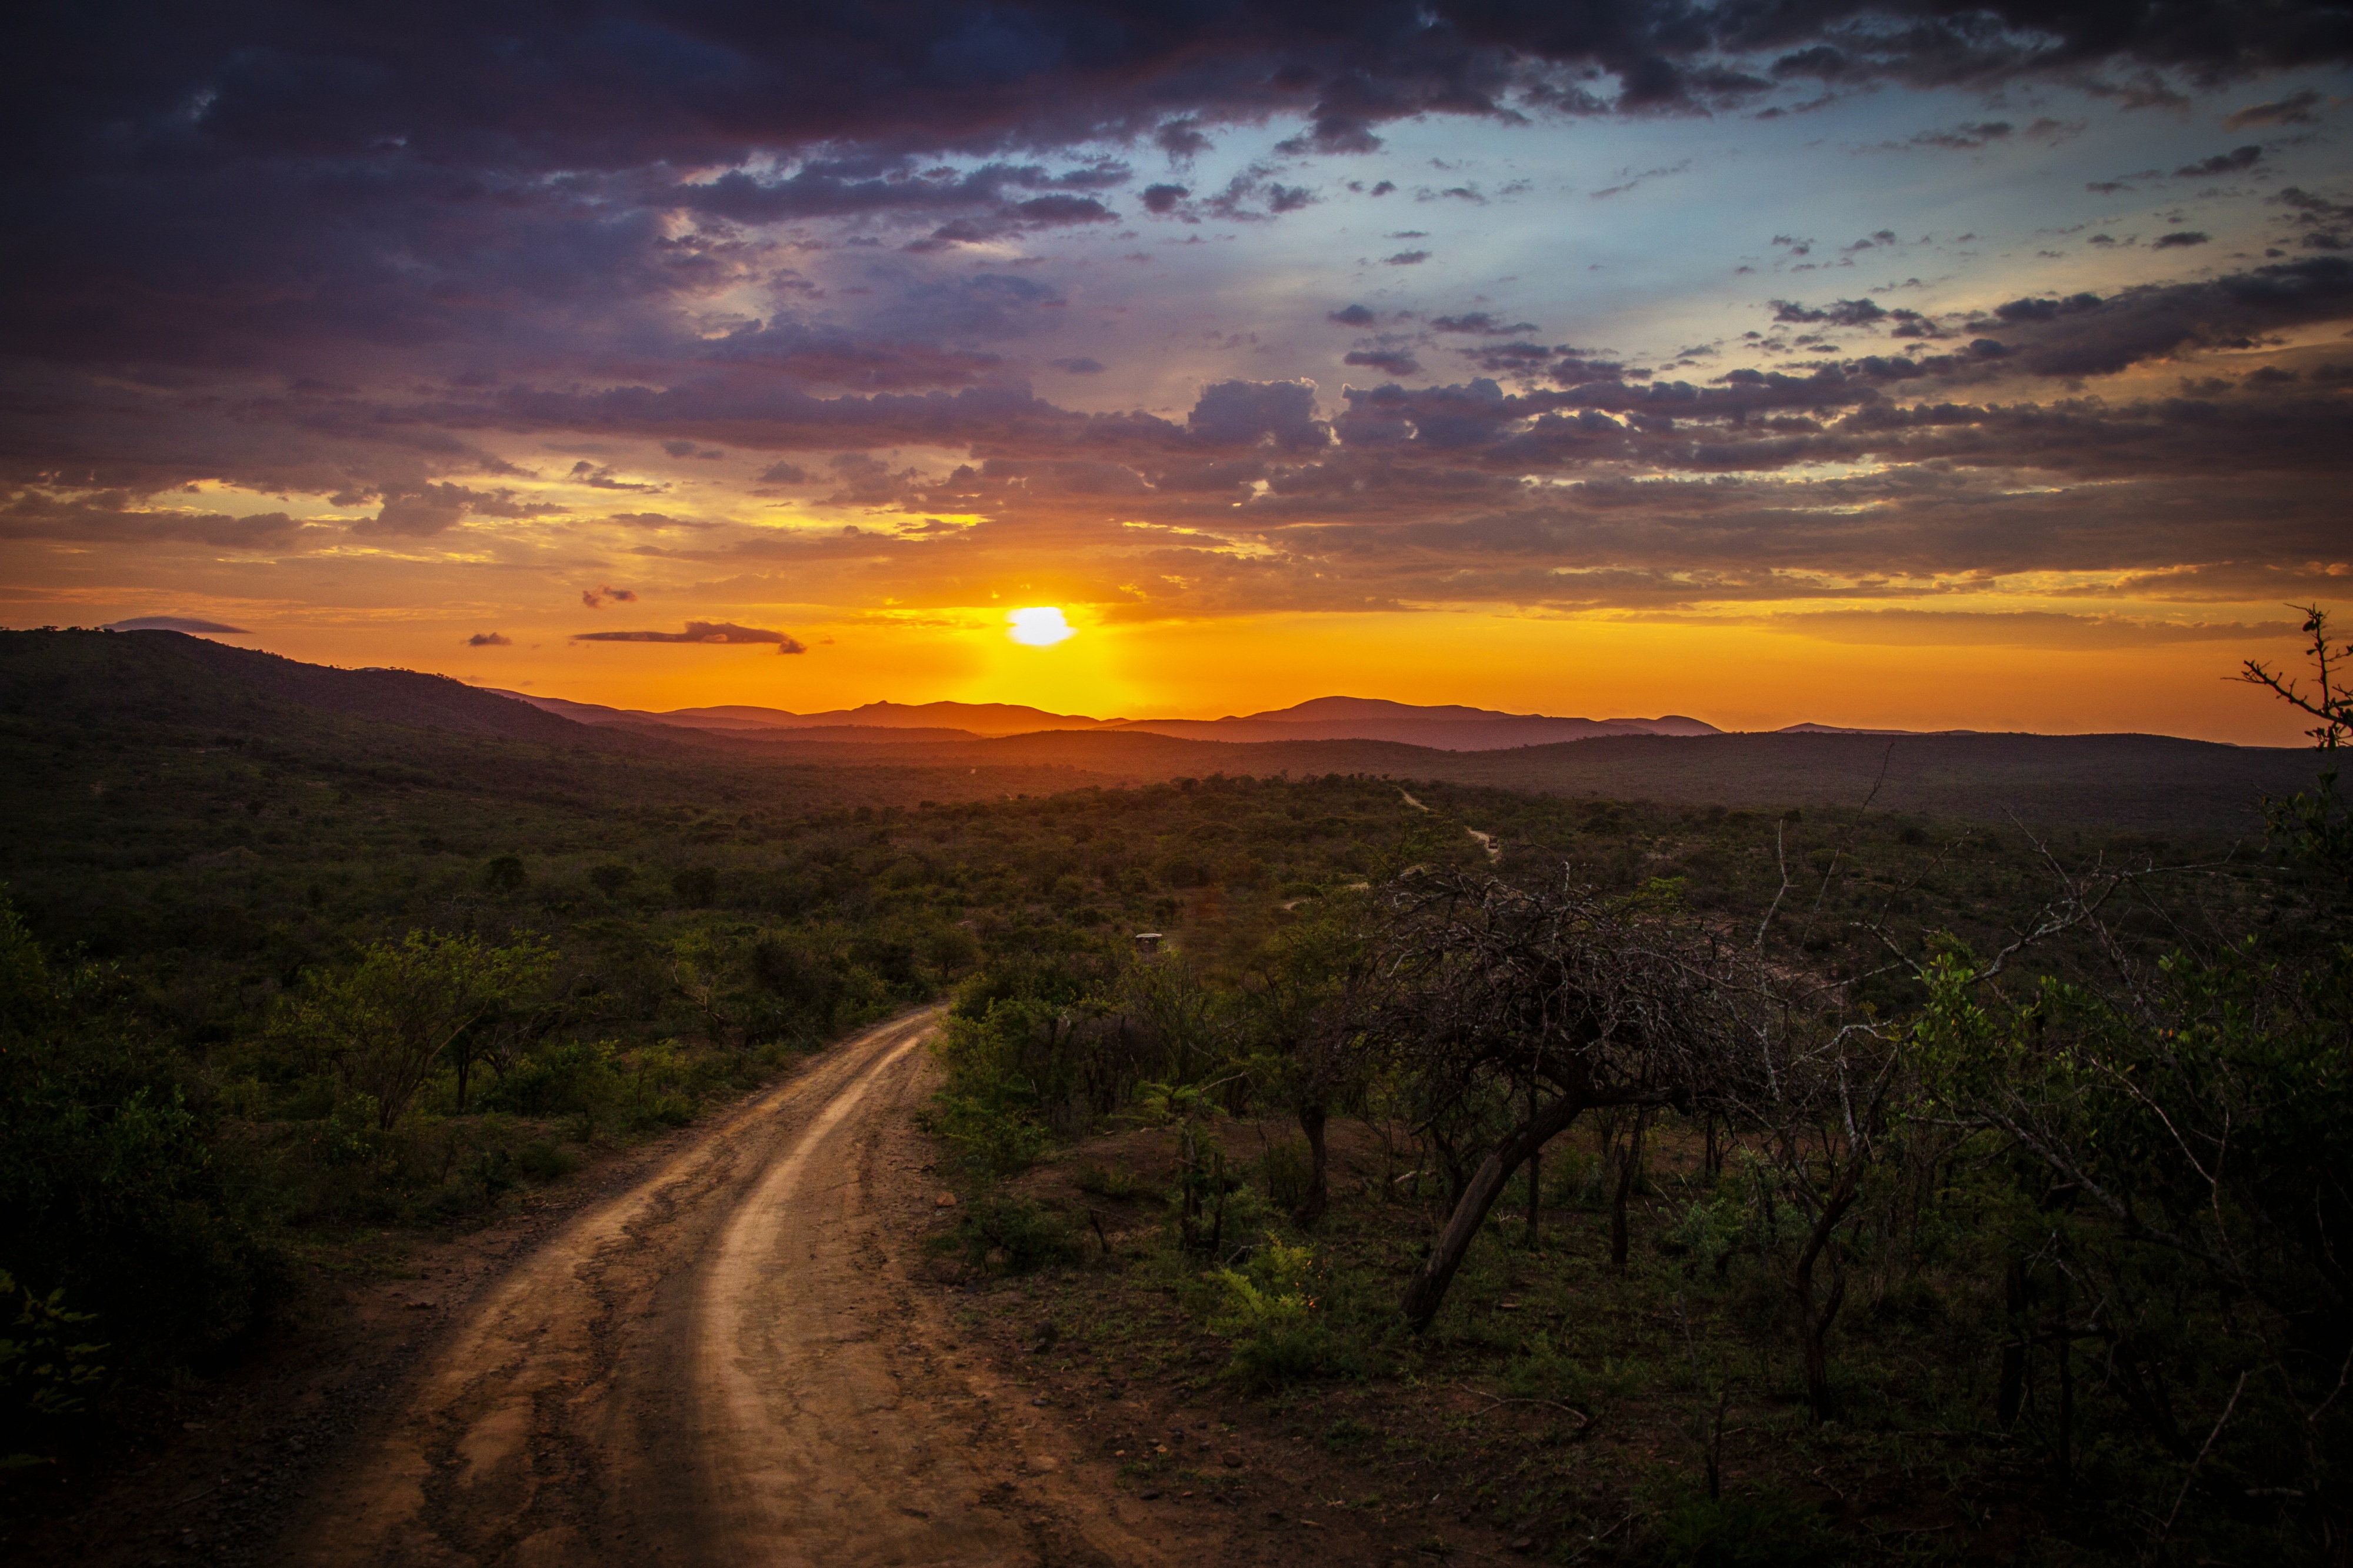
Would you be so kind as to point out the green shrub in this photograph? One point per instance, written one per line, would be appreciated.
(987, 1143)
(47, 1369)
(1283, 1172)
(1271, 1311)
(1012, 1235)
(1117, 1183)
(1763, 1530)
(110, 1186)
(543, 1160)
(575, 1078)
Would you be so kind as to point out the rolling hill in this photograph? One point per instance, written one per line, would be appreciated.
(120, 683)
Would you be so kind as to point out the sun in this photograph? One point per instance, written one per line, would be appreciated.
(1040, 625)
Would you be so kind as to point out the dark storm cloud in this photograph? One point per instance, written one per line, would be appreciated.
(239, 185)
(490, 639)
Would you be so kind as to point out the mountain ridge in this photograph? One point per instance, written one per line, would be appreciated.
(1449, 727)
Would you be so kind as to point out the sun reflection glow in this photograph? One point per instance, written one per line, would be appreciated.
(1040, 627)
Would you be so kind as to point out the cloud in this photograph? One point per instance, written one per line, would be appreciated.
(2016, 628)
(706, 632)
(1351, 316)
(656, 522)
(784, 473)
(1406, 259)
(2230, 163)
(1969, 134)
(1078, 364)
(111, 517)
(1281, 414)
(1390, 361)
(490, 639)
(2295, 109)
(189, 624)
(1839, 312)
(2179, 238)
(595, 599)
(1480, 322)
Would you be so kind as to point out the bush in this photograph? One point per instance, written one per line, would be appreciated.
(988, 1142)
(543, 1159)
(1013, 1235)
(573, 1078)
(47, 1367)
(109, 1187)
(1269, 1311)
(1117, 1183)
(1767, 1530)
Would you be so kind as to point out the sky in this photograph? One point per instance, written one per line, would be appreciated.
(1914, 364)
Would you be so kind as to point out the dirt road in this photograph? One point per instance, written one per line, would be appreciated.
(730, 1362)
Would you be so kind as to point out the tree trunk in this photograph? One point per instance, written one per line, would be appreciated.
(1535, 1198)
(1426, 1292)
(1629, 1161)
(1814, 1318)
(2012, 1393)
(1536, 1179)
(1311, 1206)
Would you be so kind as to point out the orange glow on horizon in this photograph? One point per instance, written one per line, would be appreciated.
(1733, 675)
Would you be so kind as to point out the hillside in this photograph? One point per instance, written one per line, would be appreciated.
(168, 678)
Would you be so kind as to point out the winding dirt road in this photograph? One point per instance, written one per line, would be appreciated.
(729, 1363)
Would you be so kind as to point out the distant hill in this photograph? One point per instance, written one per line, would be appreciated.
(968, 719)
(1448, 728)
(72, 683)
(1443, 728)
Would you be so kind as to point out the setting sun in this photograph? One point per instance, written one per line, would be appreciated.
(1040, 627)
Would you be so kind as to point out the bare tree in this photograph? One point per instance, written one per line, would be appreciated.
(1546, 1003)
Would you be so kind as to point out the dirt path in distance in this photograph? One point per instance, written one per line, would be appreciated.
(733, 1362)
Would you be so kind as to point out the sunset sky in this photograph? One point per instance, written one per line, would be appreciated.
(1872, 364)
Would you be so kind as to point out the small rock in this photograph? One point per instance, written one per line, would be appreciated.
(1233, 1461)
(1524, 1544)
(1153, 1495)
(945, 1200)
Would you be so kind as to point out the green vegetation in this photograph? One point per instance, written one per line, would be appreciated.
(1682, 1184)
(1890, 1215)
